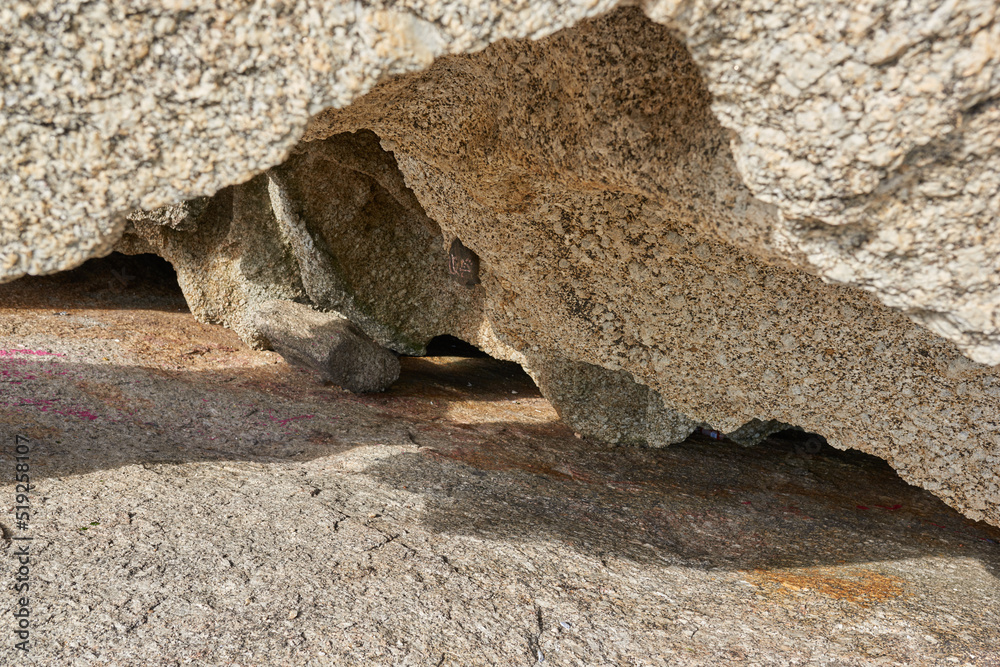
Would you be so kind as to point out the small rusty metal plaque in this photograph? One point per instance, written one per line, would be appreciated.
(463, 264)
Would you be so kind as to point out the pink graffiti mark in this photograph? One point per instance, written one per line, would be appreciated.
(15, 376)
(284, 422)
(40, 353)
(49, 405)
(13, 367)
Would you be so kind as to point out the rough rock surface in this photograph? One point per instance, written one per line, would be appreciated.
(874, 127)
(329, 343)
(871, 127)
(641, 198)
(335, 226)
(113, 105)
(611, 406)
(196, 501)
(608, 405)
(605, 227)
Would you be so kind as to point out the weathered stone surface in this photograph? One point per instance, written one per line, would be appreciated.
(875, 129)
(872, 128)
(119, 104)
(230, 261)
(336, 226)
(615, 246)
(328, 343)
(463, 264)
(196, 500)
(608, 405)
(642, 199)
(183, 217)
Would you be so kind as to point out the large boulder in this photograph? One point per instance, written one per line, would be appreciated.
(600, 193)
(657, 198)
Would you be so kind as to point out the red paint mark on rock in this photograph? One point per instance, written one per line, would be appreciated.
(49, 405)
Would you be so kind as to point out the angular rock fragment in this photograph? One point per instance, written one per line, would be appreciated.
(607, 405)
(182, 217)
(328, 343)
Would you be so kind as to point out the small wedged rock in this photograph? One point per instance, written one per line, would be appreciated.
(182, 217)
(328, 343)
(605, 404)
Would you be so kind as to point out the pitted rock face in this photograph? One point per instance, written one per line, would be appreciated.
(658, 202)
(112, 105)
(874, 128)
(334, 226)
(624, 247)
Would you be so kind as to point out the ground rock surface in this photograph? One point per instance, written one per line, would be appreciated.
(195, 500)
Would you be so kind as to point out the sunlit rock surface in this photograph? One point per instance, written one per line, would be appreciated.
(659, 192)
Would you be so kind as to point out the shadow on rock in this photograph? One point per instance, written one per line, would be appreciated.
(700, 503)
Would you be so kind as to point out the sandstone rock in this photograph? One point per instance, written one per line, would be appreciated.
(328, 343)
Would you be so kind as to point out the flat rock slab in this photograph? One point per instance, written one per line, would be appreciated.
(199, 502)
(326, 342)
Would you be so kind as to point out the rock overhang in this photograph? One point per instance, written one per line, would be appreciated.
(649, 202)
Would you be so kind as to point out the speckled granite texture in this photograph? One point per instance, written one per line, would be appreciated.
(871, 127)
(874, 127)
(616, 281)
(110, 105)
(659, 198)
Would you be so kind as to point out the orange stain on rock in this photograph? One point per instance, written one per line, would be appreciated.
(856, 585)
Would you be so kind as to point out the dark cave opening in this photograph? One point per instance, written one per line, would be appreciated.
(116, 281)
(450, 346)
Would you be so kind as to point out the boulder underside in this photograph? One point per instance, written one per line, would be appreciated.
(652, 228)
